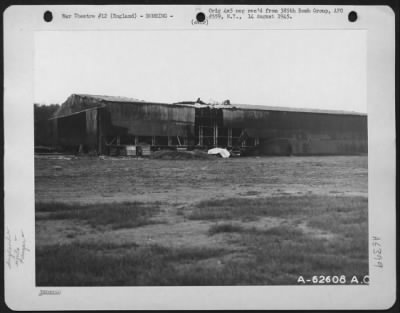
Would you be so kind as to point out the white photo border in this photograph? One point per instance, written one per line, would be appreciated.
(20, 25)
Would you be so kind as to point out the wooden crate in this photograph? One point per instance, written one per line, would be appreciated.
(130, 150)
(146, 151)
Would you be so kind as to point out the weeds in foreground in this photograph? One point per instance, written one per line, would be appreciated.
(267, 258)
(84, 265)
(114, 215)
(276, 255)
(331, 213)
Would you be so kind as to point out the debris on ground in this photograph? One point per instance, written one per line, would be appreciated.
(219, 151)
(181, 155)
(55, 157)
(118, 158)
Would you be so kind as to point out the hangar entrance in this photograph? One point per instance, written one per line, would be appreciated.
(71, 131)
(210, 131)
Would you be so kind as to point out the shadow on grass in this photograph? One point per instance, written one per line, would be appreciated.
(114, 215)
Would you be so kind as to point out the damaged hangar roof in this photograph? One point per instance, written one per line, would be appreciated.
(253, 107)
(110, 98)
(77, 103)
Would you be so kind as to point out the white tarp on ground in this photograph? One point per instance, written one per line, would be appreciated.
(222, 152)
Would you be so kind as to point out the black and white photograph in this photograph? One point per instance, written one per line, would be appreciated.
(187, 158)
(203, 155)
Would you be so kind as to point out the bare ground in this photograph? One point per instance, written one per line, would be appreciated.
(185, 181)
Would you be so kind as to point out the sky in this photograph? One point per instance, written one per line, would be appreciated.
(320, 69)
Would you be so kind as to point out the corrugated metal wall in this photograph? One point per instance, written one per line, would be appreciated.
(267, 124)
(146, 119)
(128, 118)
(236, 118)
(83, 119)
(91, 128)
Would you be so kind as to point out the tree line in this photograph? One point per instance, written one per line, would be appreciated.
(42, 124)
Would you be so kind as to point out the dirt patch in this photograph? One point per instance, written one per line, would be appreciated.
(186, 234)
(316, 232)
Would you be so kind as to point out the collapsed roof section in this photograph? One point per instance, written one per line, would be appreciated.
(228, 106)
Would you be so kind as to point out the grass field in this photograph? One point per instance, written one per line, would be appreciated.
(243, 221)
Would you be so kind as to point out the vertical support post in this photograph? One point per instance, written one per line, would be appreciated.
(169, 141)
(99, 133)
(136, 140)
(215, 134)
(153, 140)
(230, 137)
(200, 135)
(118, 140)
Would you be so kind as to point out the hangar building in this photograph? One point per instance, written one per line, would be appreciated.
(99, 123)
